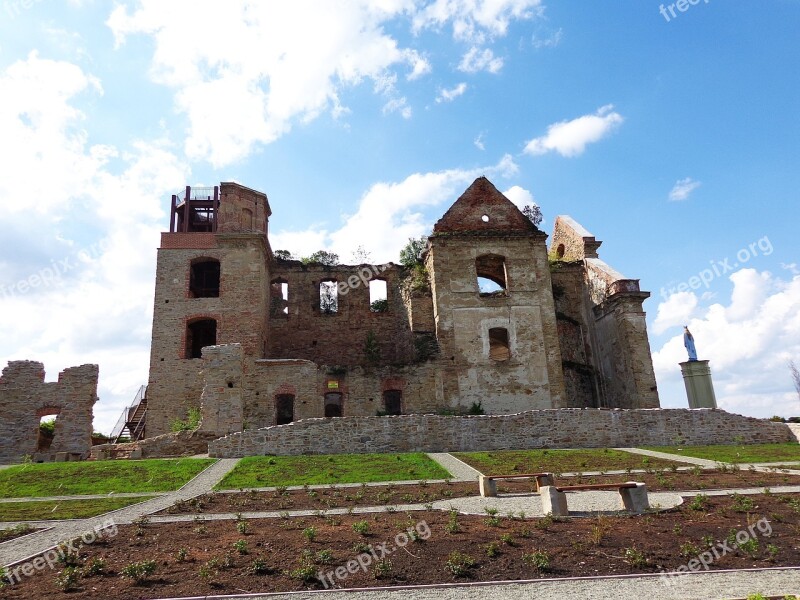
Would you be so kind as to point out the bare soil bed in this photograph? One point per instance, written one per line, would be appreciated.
(261, 555)
(323, 499)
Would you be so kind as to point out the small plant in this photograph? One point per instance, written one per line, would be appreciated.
(259, 567)
(241, 526)
(459, 564)
(742, 503)
(240, 546)
(97, 566)
(750, 547)
(772, 551)
(361, 547)
(382, 569)
(635, 558)
(688, 549)
(699, 502)
(67, 579)
(492, 549)
(507, 539)
(452, 525)
(181, 554)
(544, 523)
(324, 557)
(539, 560)
(361, 527)
(708, 541)
(306, 573)
(310, 533)
(678, 529)
(139, 571)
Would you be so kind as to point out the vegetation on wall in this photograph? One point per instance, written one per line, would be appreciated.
(190, 423)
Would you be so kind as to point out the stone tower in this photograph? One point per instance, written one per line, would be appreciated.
(212, 279)
(493, 306)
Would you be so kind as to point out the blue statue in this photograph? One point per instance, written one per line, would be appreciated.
(688, 342)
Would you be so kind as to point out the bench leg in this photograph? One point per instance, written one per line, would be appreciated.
(488, 486)
(543, 480)
(553, 501)
(635, 499)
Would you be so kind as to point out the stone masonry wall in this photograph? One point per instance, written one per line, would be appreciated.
(564, 428)
(25, 398)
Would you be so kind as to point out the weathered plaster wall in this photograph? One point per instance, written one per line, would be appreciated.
(25, 398)
(565, 428)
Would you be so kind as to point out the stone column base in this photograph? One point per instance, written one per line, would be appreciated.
(699, 387)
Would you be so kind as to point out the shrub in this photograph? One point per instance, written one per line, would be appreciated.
(310, 533)
(259, 567)
(492, 549)
(699, 502)
(67, 580)
(139, 571)
(459, 564)
(539, 560)
(742, 503)
(96, 567)
(361, 527)
(240, 546)
(180, 555)
(635, 557)
(382, 569)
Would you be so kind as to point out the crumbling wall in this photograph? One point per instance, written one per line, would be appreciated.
(25, 398)
(564, 428)
(339, 338)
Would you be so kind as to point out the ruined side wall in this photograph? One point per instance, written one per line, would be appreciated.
(339, 338)
(25, 398)
(566, 428)
(532, 377)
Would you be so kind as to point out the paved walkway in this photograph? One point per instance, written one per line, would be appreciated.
(460, 470)
(697, 586)
(710, 464)
(30, 545)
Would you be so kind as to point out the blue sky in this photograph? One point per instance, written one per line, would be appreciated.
(673, 139)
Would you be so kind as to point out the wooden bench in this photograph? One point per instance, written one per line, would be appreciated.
(488, 483)
(633, 494)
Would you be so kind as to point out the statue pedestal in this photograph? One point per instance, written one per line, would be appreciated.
(699, 387)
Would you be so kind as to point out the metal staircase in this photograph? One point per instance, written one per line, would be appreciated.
(133, 419)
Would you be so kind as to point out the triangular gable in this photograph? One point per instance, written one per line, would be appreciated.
(483, 209)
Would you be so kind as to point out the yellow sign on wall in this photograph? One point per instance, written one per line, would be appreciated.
(333, 385)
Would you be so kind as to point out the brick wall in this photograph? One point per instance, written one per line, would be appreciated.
(565, 428)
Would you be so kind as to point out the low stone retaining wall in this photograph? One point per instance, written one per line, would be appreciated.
(182, 443)
(555, 428)
(795, 427)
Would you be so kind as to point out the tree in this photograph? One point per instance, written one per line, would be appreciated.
(361, 256)
(283, 255)
(795, 377)
(328, 297)
(411, 254)
(322, 257)
(534, 213)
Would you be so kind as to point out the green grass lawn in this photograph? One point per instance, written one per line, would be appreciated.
(63, 509)
(509, 462)
(739, 454)
(268, 471)
(101, 477)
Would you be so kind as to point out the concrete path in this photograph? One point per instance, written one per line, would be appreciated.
(460, 470)
(35, 543)
(709, 464)
(697, 586)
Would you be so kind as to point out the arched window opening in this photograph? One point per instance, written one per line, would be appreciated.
(378, 297)
(47, 429)
(199, 334)
(499, 349)
(328, 297)
(333, 404)
(491, 272)
(279, 298)
(204, 278)
(284, 409)
(393, 402)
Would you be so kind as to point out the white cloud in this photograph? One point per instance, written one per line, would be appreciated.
(748, 344)
(548, 42)
(480, 60)
(476, 20)
(398, 105)
(250, 70)
(451, 94)
(519, 196)
(683, 188)
(676, 310)
(389, 213)
(570, 138)
(478, 141)
(98, 309)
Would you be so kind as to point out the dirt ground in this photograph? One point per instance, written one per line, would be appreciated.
(261, 555)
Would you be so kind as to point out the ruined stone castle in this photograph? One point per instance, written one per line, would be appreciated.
(490, 318)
